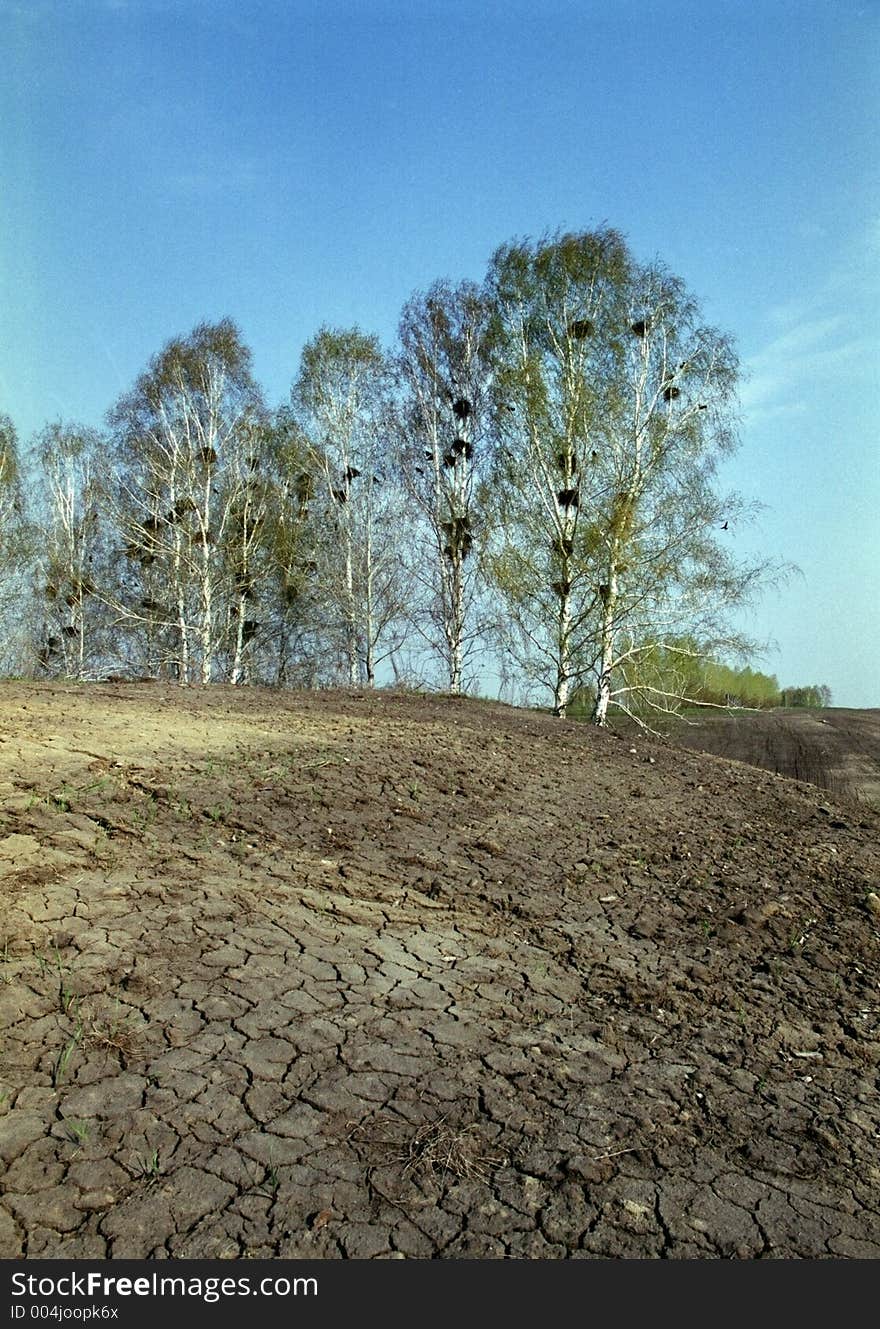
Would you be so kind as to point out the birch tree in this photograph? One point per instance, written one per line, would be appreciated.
(184, 435)
(343, 400)
(443, 455)
(16, 550)
(614, 406)
(10, 500)
(660, 533)
(72, 567)
(276, 613)
(554, 348)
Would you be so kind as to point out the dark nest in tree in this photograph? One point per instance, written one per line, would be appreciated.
(456, 528)
(568, 498)
(458, 537)
(50, 592)
(457, 525)
(70, 601)
(564, 547)
(153, 524)
(604, 592)
(464, 547)
(69, 630)
(670, 392)
(449, 459)
(47, 652)
(208, 456)
(351, 473)
(565, 461)
(291, 593)
(561, 588)
(249, 630)
(640, 327)
(462, 448)
(461, 408)
(340, 495)
(181, 508)
(581, 328)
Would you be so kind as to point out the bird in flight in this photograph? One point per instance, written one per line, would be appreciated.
(724, 527)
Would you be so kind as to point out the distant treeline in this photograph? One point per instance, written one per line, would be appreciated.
(680, 669)
(817, 694)
(723, 685)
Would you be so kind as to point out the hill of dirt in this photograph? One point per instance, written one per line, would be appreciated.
(343, 975)
(836, 749)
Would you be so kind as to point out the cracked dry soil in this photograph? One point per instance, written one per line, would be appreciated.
(335, 975)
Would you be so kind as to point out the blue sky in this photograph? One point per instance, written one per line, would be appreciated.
(163, 162)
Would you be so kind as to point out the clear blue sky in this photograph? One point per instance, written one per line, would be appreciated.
(163, 162)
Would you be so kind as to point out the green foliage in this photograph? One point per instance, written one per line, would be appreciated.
(73, 568)
(724, 685)
(685, 673)
(342, 400)
(812, 695)
(8, 454)
(340, 369)
(534, 469)
(18, 540)
(443, 455)
(556, 306)
(614, 405)
(188, 503)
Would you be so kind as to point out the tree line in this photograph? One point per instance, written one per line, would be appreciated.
(700, 680)
(525, 481)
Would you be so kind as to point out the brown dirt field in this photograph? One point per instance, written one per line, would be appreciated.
(835, 749)
(342, 975)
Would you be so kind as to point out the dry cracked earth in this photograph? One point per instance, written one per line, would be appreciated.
(345, 976)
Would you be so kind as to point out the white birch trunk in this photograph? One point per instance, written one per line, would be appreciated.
(456, 644)
(183, 646)
(207, 632)
(606, 646)
(351, 623)
(237, 673)
(563, 674)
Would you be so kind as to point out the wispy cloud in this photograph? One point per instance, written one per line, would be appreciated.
(808, 356)
(819, 340)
